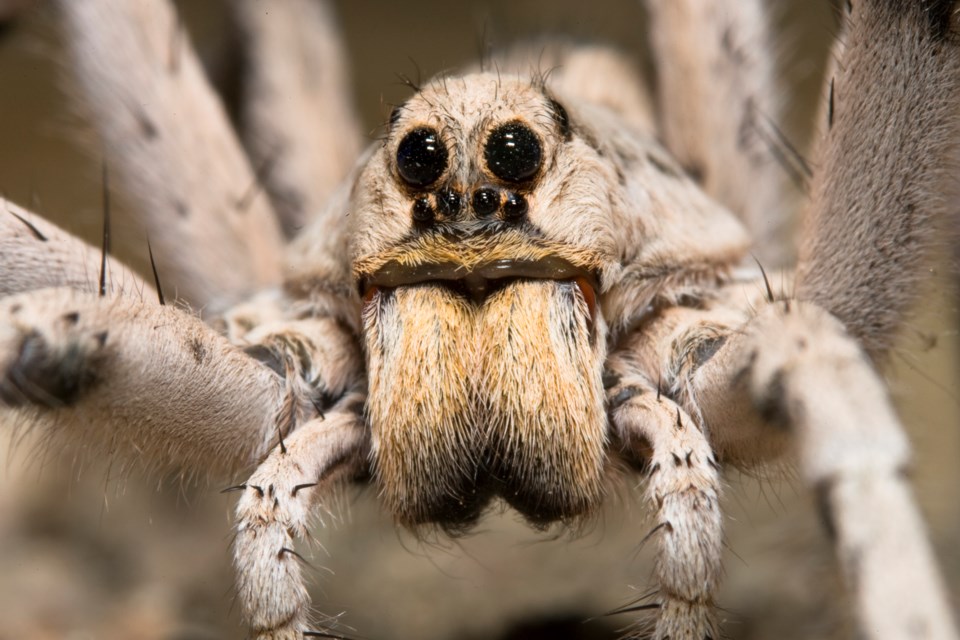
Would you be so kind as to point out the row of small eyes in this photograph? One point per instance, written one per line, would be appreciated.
(512, 153)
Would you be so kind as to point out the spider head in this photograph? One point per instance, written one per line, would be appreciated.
(489, 168)
(482, 237)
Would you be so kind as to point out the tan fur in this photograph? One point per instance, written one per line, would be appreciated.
(542, 394)
(423, 437)
(512, 403)
(475, 250)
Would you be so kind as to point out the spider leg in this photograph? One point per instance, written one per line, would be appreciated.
(762, 375)
(35, 254)
(153, 382)
(718, 110)
(172, 148)
(143, 379)
(884, 166)
(674, 347)
(790, 370)
(62, 332)
(298, 113)
(793, 369)
(129, 376)
(273, 512)
(683, 486)
(318, 357)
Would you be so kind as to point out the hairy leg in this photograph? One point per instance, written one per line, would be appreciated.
(274, 510)
(318, 357)
(718, 110)
(683, 487)
(673, 346)
(143, 380)
(35, 254)
(171, 145)
(298, 113)
(149, 381)
(127, 376)
(790, 370)
(793, 369)
(759, 375)
(883, 165)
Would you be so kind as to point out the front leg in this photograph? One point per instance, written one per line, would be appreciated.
(683, 487)
(273, 513)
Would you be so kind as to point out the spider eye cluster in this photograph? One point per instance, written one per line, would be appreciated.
(513, 152)
(421, 157)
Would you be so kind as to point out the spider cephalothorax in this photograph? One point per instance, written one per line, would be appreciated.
(520, 283)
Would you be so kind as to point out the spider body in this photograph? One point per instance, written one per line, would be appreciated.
(518, 285)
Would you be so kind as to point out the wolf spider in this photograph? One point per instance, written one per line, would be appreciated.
(531, 284)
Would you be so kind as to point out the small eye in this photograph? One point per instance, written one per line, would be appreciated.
(515, 206)
(513, 152)
(421, 157)
(486, 201)
(422, 211)
(449, 203)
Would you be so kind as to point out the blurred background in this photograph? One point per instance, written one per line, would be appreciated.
(90, 554)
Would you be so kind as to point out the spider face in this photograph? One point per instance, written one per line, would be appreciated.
(483, 339)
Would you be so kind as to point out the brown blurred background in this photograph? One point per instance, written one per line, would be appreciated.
(86, 552)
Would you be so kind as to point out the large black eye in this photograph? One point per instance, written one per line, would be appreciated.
(513, 152)
(421, 157)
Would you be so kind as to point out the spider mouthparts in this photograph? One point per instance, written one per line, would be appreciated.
(477, 282)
